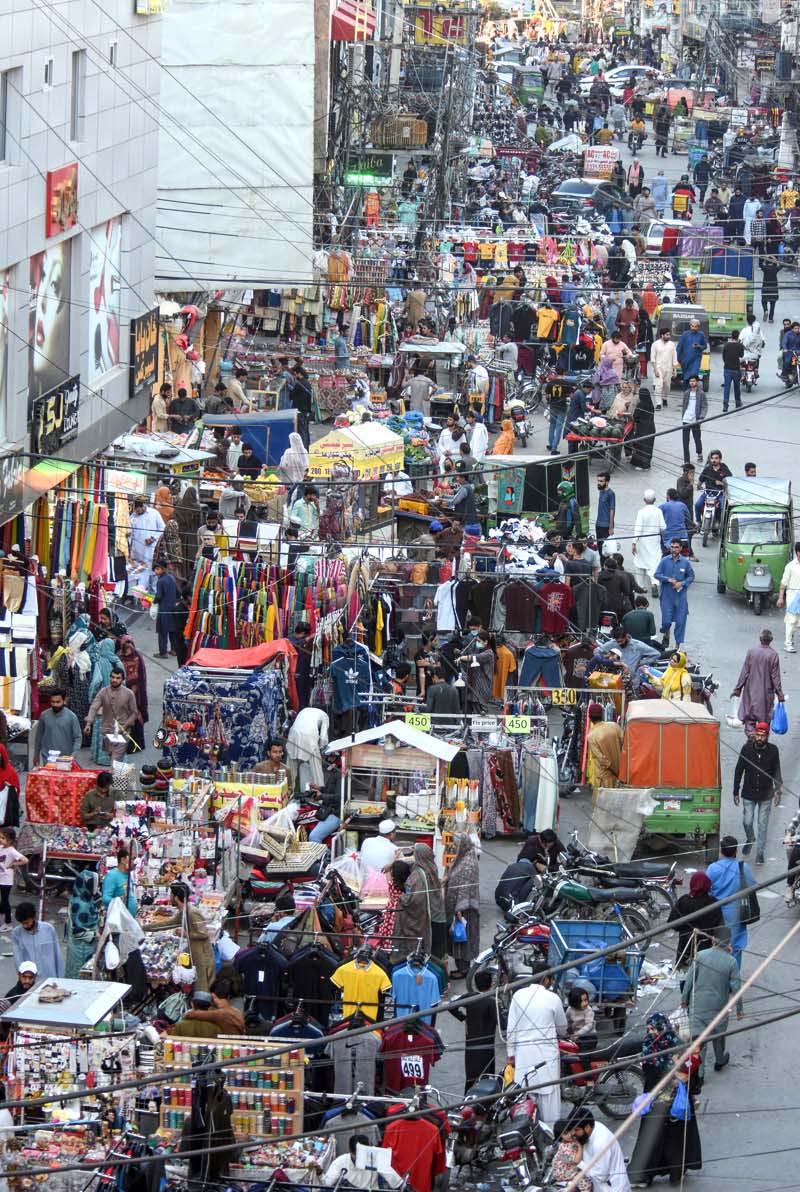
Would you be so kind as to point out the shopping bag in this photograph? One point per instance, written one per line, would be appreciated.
(749, 910)
(732, 718)
(780, 721)
(153, 611)
(681, 1107)
(680, 1024)
(459, 931)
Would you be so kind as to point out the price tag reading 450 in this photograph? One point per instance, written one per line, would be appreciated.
(420, 720)
(564, 695)
(518, 724)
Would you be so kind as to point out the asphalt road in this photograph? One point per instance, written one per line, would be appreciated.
(747, 1111)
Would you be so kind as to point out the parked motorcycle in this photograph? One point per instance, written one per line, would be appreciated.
(712, 507)
(499, 1129)
(562, 896)
(597, 1079)
(515, 410)
(657, 880)
(749, 374)
(520, 944)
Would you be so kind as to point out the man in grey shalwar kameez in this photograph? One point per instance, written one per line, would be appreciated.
(759, 683)
(710, 983)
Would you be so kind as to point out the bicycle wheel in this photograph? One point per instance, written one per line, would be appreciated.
(616, 1091)
(659, 905)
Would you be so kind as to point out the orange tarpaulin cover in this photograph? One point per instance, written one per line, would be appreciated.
(251, 658)
(669, 744)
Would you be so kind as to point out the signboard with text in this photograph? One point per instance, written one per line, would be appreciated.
(144, 353)
(61, 207)
(55, 418)
(370, 169)
(599, 161)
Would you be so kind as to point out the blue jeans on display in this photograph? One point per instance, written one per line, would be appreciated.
(749, 808)
(557, 420)
(731, 378)
(324, 829)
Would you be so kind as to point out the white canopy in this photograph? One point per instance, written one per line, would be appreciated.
(402, 732)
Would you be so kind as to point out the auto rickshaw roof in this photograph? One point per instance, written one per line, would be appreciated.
(686, 311)
(758, 490)
(665, 711)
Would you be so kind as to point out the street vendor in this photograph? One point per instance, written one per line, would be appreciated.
(98, 804)
(604, 748)
(274, 764)
(191, 923)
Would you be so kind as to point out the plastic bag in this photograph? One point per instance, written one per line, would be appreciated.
(780, 721)
(681, 1107)
(459, 931)
(732, 718)
(680, 1024)
(352, 871)
(111, 956)
(127, 932)
(153, 611)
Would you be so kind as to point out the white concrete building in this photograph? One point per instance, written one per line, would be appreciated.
(235, 200)
(78, 164)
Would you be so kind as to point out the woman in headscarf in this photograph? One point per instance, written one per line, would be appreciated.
(676, 682)
(82, 922)
(420, 911)
(188, 515)
(660, 1036)
(462, 901)
(105, 662)
(480, 678)
(136, 680)
(505, 440)
(695, 936)
(293, 464)
(644, 431)
(164, 503)
(668, 1141)
(169, 549)
(9, 792)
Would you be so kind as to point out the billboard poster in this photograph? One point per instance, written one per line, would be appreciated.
(55, 418)
(5, 300)
(105, 291)
(49, 319)
(61, 210)
(144, 353)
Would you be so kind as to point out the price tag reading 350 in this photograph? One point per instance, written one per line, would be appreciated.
(564, 695)
(518, 724)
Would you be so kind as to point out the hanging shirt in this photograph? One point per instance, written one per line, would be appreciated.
(447, 619)
(414, 989)
(310, 971)
(361, 986)
(262, 969)
(505, 664)
(557, 602)
(417, 1151)
(354, 1060)
(408, 1056)
(547, 320)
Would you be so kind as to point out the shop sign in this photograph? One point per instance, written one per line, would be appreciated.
(438, 25)
(144, 353)
(61, 207)
(518, 724)
(745, 58)
(146, 8)
(12, 487)
(370, 169)
(738, 118)
(599, 161)
(765, 61)
(55, 418)
(419, 720)
(484, 724)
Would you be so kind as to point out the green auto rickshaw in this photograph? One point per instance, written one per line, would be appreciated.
(756, 538)
(676, 317)
(527, 84)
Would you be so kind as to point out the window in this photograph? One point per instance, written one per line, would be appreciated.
(77, 103)
(49, 71)
(10, 110)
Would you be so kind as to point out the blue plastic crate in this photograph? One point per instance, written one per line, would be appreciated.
(571, 940)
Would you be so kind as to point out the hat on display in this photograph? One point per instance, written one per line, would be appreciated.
(386, 827)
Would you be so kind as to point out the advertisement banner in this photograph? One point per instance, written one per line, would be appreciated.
(61, 210)
(48, 320)
(144, 353)
(105, 292)
(599, 161)
(55, 418)
(5, 295)
(370, 169)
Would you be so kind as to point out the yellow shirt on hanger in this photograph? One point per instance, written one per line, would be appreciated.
(361, 986)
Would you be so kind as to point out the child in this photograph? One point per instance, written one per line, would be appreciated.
(10, 860)
(580, 1015)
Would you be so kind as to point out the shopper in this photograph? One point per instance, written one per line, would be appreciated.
(57, 730)
(759, 683)
(36, 940)
(711, 982)
(732, 355)
(606, 507)
(136, 681)
(693, 413)
(695, 936)
(758, 775)
(82, 923)
(728, 876)
(668, 1142)
(536, 1021)
(117, 882)
(191, 925)
(116, 707)
(10, 860)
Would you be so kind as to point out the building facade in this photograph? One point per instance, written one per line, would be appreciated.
(78, 166)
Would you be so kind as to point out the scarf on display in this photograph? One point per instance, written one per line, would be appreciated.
(83, 913)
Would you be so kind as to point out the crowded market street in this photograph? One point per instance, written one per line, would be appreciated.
(399, 608)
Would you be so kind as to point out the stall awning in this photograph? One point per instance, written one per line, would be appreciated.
(88, 1003)
(248, 659)
(401, 732)
(352, 20)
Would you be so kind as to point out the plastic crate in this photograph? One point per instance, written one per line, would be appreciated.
(571, 940)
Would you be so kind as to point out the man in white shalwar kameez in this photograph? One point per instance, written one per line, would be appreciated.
(305, 742)
(536, 1021)
(609, 1173)
(147, 526)
(650, 525)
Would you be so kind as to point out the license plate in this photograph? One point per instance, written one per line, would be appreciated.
(671, 805)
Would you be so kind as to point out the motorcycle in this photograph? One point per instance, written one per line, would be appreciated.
(562, 896)
(499, 1129)
(596, 1078)
(791, 375)
(791, 839)
(515, 410)
(519, 946)
(749, 373)
(703, 687)
(710, 520)
(658, 880)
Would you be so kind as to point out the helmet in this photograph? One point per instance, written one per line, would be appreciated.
(565, 489)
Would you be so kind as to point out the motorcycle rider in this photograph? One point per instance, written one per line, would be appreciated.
(790, 345)
(713, 477)
(753, 343)
(685, 190)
